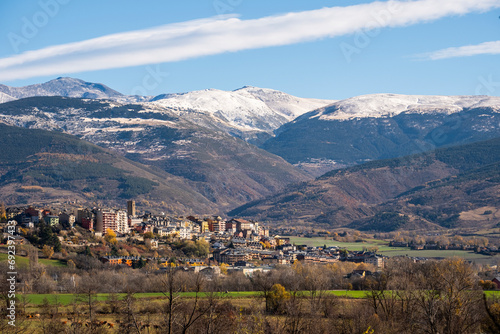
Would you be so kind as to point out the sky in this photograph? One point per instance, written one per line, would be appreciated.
(315, 48)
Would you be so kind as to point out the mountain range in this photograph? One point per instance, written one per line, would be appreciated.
(46, 167)
(382, 126)
(224, 169)
(258, 149)
(447, 187)
(249, 113)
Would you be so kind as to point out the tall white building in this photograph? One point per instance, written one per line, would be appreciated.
(122, 221)
(115, 220)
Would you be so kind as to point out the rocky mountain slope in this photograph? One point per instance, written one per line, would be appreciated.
(223, 169)
(5, 98)
(430, 190)
(249, 113)
(38, 166)
(67, 87)
(384, 126)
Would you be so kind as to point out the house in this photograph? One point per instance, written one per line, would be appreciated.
(275, 260)
(375, 260)
(286, 248)
(35, 214)
(241, 264)
(16, 239)
(359, 274)
(241, 224)
(88, 223)
(269, 240)
(249, 272)
(230, 256)
(84, 214)
(105, 219)
(239, 242)
(204, 226)
(210, 272)
(255, 245)
(280, 241)
(231, 226)
(67, 219)
(117, 260)
(115, 220)
(25, 219)
(51, 220)
(496, 281)
(133, 221)
(185, 233)
(217, 226)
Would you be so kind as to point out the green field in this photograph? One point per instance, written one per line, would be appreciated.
(384, 249)
(354, 246)
(66, 298)
(434, 253)
(24, 261)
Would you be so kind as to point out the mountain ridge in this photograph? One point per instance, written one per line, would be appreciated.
(39, 166)
(223, 169)
(372, 127)
(249, 113)
(352, 196)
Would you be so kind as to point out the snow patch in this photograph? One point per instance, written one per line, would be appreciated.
(388, 105)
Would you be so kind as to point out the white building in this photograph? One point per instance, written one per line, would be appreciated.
(115, 220)
(185, 233)
(122, 221)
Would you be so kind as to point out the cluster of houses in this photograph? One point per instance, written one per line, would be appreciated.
(242, 259)
(235, 242)
(122, 221)
(286, 253)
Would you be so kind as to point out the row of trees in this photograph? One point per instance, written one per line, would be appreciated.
(431, 297)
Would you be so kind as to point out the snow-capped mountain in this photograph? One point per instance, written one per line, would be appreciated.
(243, 104)
(384, 126)
(287, 105)
(249, 113)
(5, 98)
(388, 105)
(225, 170)
(67, 87)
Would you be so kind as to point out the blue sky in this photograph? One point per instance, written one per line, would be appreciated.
(320, 52)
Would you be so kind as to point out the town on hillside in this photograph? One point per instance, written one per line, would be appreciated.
(240, 244)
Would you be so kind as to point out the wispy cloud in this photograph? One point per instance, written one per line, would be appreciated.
(487, 48)
(176, 42)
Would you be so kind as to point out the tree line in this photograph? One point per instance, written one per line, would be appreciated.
(406, 297)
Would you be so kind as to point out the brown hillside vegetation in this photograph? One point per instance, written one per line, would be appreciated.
(431, 189)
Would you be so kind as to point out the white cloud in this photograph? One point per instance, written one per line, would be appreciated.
(487, 48)
(176, 42)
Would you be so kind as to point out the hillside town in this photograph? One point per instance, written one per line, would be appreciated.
(240, 244)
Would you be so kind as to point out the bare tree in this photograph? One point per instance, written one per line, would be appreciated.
(264, 283)
(129, 323)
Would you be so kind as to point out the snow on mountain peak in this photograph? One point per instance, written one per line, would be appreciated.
(287, 105)
(248, 109)
(62, 86)
(5, 98)
(251, 108)
(383, 105)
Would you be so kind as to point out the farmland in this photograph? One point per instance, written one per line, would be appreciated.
(384, 249)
